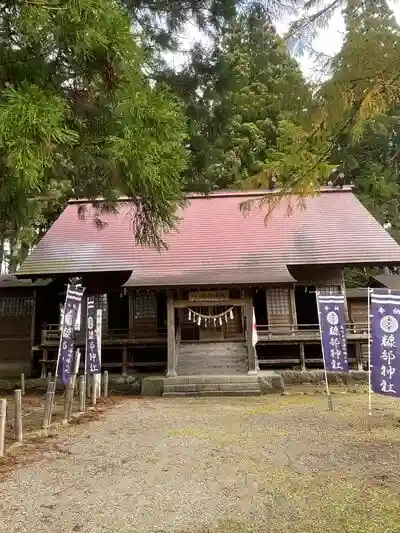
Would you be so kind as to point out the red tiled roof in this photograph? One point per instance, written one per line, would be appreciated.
(216, 243)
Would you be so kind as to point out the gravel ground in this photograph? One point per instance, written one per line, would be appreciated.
(270, 464)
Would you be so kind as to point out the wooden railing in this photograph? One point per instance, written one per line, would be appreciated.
(307, 331)
(50, 334)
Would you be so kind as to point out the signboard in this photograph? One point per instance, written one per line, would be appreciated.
(208, 296)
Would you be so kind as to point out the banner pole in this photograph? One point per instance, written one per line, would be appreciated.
(53, 391)
(369, 362)
(328, 394)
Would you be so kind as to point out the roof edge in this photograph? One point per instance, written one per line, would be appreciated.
(222, 194)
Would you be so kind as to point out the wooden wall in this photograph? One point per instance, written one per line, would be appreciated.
(358, 310)
(17, 310)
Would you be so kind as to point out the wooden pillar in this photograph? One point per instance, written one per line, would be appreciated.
(178, 327)
(293, 308)
(302, 357)
(171, 365)
(131, 320)
(45, 357)
(359, 356)
(131, 313)
(32, 335)
(249, 336)
(343, 289)
(124, 360)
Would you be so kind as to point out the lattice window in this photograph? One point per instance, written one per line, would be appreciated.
(101, 302)
(330, 289)
(14, 306)
(278, 301)
(145, 306)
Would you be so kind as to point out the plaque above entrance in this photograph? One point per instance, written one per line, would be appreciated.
(208, 296)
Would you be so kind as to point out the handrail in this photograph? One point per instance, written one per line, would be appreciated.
(50, 332)
(351, 327)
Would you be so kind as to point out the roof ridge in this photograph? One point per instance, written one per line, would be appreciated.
(221, 194)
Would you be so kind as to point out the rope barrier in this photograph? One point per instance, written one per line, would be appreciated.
(210, 319)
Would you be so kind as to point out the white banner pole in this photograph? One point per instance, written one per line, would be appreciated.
(99, 318)
(330, 405)
(369, 361)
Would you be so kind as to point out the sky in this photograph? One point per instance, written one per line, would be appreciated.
(328, 42)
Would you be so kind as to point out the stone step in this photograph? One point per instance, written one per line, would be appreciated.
(207, 393)
(211, 364)
(197, 387)
(215, 378)
(209, 372)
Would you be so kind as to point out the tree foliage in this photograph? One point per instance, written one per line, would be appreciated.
(86, 106)
(78, 116)
(247, 105)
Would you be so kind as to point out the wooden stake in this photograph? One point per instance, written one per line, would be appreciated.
(73, 384)
(82, 393)
(53, 397)
(302, 357)
(94, 390)
(105, 383)
(23, 384)
(88, 386)
(69, 398)
(98, 384)
(47, 406)
(18, 415)
(3, 412)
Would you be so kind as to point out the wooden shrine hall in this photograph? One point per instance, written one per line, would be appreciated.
(188, 309)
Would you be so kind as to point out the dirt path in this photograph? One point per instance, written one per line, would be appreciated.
(270, 464)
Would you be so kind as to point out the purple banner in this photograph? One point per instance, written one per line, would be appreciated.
(66, 348)
(385, 341)
(93, 365)
(331, 312)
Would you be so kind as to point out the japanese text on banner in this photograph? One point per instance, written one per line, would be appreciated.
(331, 311)
(66, 347)
(385, 342)
(92, 341)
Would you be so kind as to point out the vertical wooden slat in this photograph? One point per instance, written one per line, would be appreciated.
(3, 415)
(131, 311)
(32, 336)
(45, 357)
(302, 357)
(171, 365)
(293, 306)
(18, 415)
(358, 349)
(249, 335)
(124, 361)
(343, 290)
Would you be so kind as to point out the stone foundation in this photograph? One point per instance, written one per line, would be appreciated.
(317, 377)
(270, 382)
